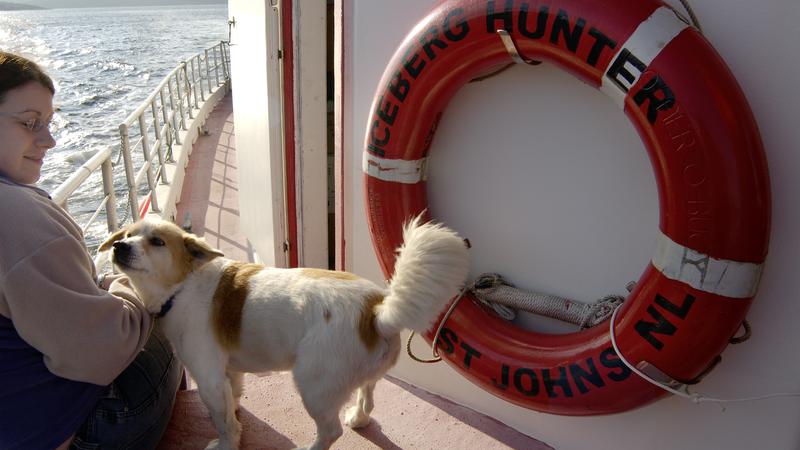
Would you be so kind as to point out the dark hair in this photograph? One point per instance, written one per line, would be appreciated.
(16, 70)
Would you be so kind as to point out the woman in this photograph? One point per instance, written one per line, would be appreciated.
(79, 366)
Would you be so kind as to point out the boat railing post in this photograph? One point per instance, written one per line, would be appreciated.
(190, 80)
(196, 80)
(159, 142)
(156, 122)
(187, 90)
(148, 158)
(216, 64)
(107, 171)
(172, 109)
(199, 80)
(179, 97)
(224, 60)
(228, 58)
(133, 201)
(208, 72)
(167, 134)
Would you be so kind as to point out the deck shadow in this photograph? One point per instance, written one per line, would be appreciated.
(210, 191)
(190, 427)
(484, 424)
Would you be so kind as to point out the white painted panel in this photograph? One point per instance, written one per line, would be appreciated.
(311, 155)
(552, 186)
(257, 110)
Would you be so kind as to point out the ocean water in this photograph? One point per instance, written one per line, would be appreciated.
(104, 62)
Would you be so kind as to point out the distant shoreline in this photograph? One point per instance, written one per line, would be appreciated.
(12, 6)
(8, 6)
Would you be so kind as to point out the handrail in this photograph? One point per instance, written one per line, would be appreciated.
(62, 193)
(147, 136)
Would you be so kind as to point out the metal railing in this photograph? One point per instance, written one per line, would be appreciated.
(147, 136)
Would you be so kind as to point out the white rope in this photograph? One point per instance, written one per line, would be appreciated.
(505, 299)
(692, 16)
(684, 392)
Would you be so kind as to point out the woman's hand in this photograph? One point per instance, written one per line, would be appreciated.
(105, 279)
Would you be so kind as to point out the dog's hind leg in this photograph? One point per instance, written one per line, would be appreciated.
(326, 417)
(358, 416)
(324, 408)
(323, 396)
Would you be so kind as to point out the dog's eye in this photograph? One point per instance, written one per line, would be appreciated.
(156, 242)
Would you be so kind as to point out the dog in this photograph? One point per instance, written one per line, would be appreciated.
(335, 331)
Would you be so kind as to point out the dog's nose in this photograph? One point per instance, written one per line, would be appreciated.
(121, 247)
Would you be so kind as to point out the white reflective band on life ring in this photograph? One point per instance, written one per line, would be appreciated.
(395, 170)
(650, 37)
(717, 276)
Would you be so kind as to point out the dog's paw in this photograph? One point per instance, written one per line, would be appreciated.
(355, 418)
(216, 444)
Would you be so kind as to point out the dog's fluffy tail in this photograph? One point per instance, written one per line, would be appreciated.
(431, 268)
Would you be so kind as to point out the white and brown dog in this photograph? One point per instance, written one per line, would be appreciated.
(335, 331)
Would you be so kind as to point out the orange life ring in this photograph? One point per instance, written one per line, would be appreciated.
(709, 165)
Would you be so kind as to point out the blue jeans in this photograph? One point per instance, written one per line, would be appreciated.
(135, 410)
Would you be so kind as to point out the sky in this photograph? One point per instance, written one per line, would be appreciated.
(96, 3)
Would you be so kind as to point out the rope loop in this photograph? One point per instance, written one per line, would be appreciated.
(601, 310)
(682, 389)
(744, 337)
(435, 342)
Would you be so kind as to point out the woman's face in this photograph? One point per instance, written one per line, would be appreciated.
(22, 149)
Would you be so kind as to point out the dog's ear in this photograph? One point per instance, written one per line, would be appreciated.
(199, 249)
(111, 239)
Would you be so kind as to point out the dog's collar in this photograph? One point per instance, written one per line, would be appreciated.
(167, 305)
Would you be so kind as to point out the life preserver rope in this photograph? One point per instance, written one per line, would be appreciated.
(710, 171)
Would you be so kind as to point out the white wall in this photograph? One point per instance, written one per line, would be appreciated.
(257, 114)
(552, 186)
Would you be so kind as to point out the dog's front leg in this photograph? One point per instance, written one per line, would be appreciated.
(215, 390)
(237, 386)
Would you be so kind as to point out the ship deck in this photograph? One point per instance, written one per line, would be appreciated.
(271, 411)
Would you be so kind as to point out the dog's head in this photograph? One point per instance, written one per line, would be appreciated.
(157, 255)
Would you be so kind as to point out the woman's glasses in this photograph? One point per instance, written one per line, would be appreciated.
(33, 124)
